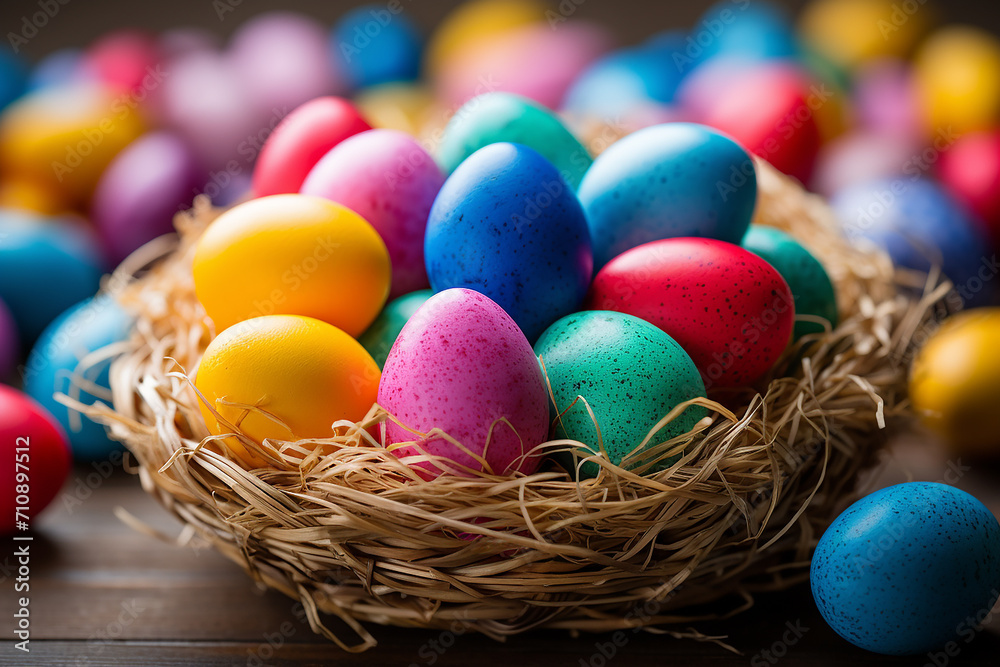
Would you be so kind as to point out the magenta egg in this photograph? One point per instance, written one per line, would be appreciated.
(9, 344)
(391, 181)
(462, 365)
(282, 60)
(154, 178)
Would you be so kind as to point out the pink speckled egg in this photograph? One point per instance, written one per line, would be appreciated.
(463, 366)
(391, 181)
(536, 61)
(728, 308)
(283, 60)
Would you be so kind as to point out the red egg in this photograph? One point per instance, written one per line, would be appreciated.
(125, 60)
(773, 112)
(970, 169)
(300, 140)
(728, 308)
(36, 459)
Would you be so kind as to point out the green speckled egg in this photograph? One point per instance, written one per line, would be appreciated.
(631, 374)
(811, 287)
(503, 117)
(380, 336)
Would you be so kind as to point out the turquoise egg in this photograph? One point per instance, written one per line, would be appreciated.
(629, 372)
(908, 570)
(382, 333)
(54, 365)
(503, 117)
(811, 287)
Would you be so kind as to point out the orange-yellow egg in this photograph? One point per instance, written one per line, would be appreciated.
(29, 195)
(475, 22)
(957, 71)
(955, 382)
(292, 255)
(63, 138)
(850, 32)
(305, 373)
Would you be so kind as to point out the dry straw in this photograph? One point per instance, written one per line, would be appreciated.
(350, 531)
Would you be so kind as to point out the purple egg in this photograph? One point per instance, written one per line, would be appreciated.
(389, 180)
(885, 99)
(282, 60)
(9, 344)
(142, 189)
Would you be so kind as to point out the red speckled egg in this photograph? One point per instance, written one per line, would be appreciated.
(300, 140)
(728, 308)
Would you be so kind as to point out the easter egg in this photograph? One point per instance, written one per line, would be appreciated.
(384, 331)
(850, 32)
(707, 82)
(69, 358)
(506, 224)
(970, 170)
(13, 78)
(292, 255)
(204, 102)
(46, 266)
(306, 373)
(676, 179)
(64, 137)
(463, 366)
(772, 112)
(811, 287)
(756, 31)
(9, 343)
(908, 569)
(955, 382)
(618, 82)
(123, 60)
(617, 375)
(407, 107)
(921, 226)
(957, 72)
(29, 195)
(29, 436)
(728, 308)
(864, 156)
(59, 68)
(139, 193)
(373, 44)
(885, 99)
(282, 61)
(388, 179)
(300, 140)
(502, 117)
(534, 61)
(472, 23)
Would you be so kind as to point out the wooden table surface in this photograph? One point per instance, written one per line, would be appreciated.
(104, 594)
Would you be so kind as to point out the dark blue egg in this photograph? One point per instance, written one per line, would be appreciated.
(921, 226)
(507, 225)
(46, 266)
(374, 45)
(63, 361)
(623, 81)
(667, 181)
(908, 569)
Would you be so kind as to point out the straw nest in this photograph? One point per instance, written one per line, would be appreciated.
(354, 533)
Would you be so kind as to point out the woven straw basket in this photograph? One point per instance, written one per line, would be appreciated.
(350, 531)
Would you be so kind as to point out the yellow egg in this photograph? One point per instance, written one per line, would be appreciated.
(475, 22)
(849, 32)
(63, 138)
(292, 255)
(955, 382)
(305, 373)
(406, 107)
(31, 196)
(957, 71)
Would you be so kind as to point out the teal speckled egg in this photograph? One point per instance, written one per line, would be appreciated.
(380, 336)
(503, 117)
(630, 373)
(811, 286)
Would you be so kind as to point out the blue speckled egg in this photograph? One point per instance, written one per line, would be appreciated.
(920, 225)
(630, 373)
(665, 181)
(618, 83)
(54, 365)
(811, 286)
(46, 266)
(494, 117)
(372, 46)
(507, 225)
(908, 569)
